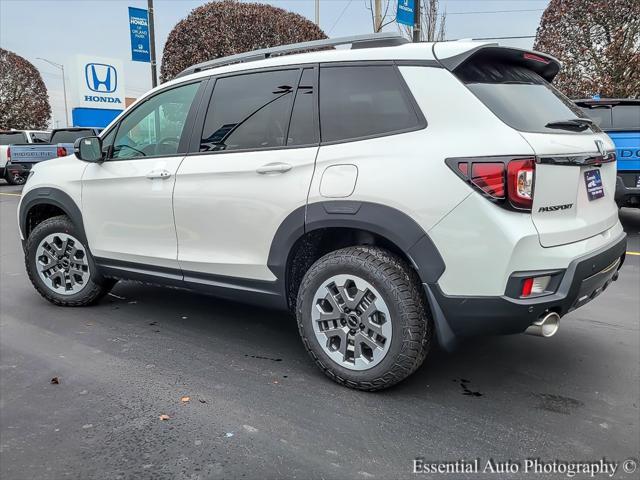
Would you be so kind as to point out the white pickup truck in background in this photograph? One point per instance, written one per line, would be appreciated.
(21, 157)
(8, 137)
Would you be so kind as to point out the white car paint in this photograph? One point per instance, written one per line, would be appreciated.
(217, 214)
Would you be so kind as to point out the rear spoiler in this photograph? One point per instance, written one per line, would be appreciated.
(544, 65)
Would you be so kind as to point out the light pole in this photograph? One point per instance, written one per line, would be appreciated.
(318, 12)
(152, 44)
(64, 87)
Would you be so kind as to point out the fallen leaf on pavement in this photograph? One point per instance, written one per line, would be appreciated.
(164, 417)
(55, 381)
(185, 399)
(202, 400)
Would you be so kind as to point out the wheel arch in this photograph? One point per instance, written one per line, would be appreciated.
(44, 202)
(302, 238)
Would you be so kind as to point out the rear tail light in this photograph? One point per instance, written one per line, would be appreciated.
(8, 153)
(534, 286)
(507, 181)
(520, 182)
(61, 152)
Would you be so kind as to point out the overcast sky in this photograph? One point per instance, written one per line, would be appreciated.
(59, 29)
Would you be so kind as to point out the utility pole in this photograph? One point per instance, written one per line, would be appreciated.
(64, 87)
(152, 45)
(377, 16)
(318, 12)
(416, 21)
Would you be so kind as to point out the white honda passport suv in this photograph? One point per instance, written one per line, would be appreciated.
(389, 194)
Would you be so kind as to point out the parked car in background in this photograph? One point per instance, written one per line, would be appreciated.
(620, 118)
(7, 137)
(22, 156)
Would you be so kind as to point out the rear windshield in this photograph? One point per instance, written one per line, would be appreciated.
(7, 138)
(613, 117)
(66, 136)
(518, 96)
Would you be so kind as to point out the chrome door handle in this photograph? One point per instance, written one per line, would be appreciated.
(277, 167)
(162, 174)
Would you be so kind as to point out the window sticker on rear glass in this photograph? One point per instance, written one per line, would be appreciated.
(593, 180)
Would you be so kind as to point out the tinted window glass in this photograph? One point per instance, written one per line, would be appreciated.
(600, 115)
(518, 96)
(155, 126)
(302, 130)
(39, 137)
(7, 138)
(249, 111)
(626, 116)
(362, 101)
(70, 136)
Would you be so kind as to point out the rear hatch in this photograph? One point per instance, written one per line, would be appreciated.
(575, 171)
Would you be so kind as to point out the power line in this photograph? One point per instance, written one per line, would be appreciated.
(497, 11)
(340, 16)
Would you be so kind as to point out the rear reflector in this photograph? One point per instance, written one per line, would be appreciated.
(535, 285)
(61, 152)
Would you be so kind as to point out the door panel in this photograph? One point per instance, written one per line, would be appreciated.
(128, 216)
(127, 200)
(227, 213)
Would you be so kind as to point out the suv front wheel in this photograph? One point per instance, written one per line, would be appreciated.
(60, 266)
(362, 317)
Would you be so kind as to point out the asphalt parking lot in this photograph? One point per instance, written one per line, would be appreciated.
(259, 408)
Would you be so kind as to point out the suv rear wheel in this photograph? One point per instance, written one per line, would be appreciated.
(60, 266)
(363, 318)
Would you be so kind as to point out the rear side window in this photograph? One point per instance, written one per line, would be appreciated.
(303, 129)
(66, 136)
(7, 138)
(599, 114)
(39, 137)
(518, 96)
(249, 111)
(364, 101)
(626, 117)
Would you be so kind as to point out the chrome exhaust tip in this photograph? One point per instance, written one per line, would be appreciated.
(546, 326)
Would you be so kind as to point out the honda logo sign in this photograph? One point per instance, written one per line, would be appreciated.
(98, 83)
(101, 77)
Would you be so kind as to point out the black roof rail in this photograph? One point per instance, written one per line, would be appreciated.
(373, 40)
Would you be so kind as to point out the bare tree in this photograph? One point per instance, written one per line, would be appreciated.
(24, 102)
(386, 16)
(598, 42)
(432, 20)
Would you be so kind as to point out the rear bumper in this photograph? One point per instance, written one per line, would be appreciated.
(627, 194)
(18, 168)
(583, 280)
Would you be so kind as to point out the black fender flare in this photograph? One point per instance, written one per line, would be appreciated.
(388, 222)
(55, 197)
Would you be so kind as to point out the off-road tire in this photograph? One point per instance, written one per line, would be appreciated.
(96, 287)
(402, 291)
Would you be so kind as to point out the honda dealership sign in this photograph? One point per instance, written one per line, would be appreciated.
(97, 85)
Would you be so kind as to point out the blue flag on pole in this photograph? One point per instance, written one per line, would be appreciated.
(404, 15)
(139, 27)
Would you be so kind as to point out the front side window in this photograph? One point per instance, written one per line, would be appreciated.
(249, 111)
(155, 127)
(363, 101)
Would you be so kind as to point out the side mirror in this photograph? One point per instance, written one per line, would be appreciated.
(88, 149)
